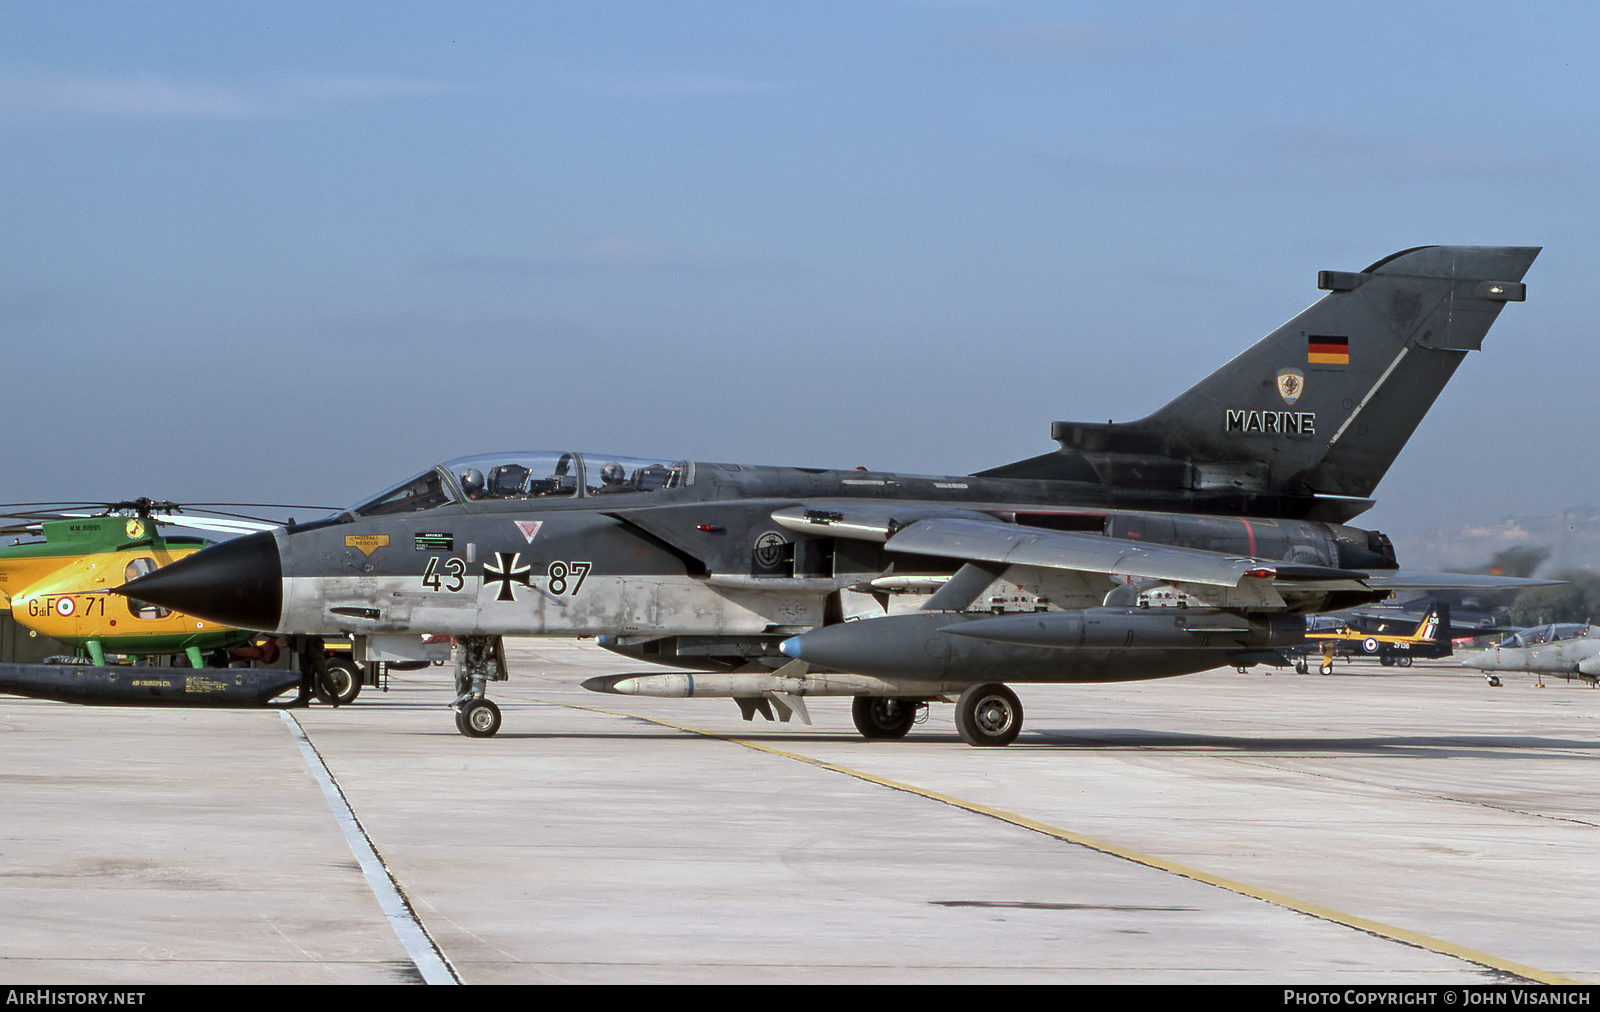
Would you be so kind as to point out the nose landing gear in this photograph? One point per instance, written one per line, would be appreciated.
(478, 718)
(479, 661)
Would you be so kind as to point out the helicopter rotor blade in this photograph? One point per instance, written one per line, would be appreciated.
(204, 523)
(219, 525)
(222, 521)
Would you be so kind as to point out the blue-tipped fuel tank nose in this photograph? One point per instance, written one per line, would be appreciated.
(237, 583)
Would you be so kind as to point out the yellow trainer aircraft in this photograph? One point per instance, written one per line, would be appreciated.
(1338, 638)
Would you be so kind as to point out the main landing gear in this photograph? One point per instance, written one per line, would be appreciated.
(479, 661)
(339, 682)
(335, 680)
(988, 715)
(885, 716)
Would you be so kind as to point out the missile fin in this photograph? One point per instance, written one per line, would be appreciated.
(789, 705)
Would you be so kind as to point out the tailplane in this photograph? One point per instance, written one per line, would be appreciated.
(1307, 421)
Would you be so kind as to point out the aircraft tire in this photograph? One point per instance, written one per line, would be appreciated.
(1404, 662)
(1387, 662)
(344, 677)
(883, 717)
(478, 718)
(988, 716)
(1302, 668)
(1326, 669)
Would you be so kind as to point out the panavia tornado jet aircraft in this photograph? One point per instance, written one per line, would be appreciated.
(1199, 536)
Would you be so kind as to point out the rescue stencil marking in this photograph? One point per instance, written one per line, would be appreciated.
(529, 528)
(366, 543)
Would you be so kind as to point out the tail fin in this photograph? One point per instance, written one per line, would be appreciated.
(1431, 626)
(1442, 631)
(1322, 405)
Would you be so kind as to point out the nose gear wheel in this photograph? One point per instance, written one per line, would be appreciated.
(479, 661)
(478, 718)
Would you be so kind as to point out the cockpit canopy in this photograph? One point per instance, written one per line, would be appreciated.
(1539, 635)
(527, 475)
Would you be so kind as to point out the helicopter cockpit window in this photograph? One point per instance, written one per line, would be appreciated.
(424, 492)
(614, 475)
(530, 475)
(137, 568)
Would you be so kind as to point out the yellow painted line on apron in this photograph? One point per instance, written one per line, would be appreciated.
(1371, 927)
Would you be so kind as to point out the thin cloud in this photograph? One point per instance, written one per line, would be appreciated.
(45, 95)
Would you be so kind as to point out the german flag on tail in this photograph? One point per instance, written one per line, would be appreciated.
(1327, 350)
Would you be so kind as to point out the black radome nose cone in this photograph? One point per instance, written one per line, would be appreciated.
(237, 583)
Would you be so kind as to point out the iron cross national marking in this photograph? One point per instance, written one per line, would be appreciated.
(506, 570)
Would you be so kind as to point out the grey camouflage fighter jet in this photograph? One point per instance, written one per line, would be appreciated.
(1566, 650)
(1199, 536)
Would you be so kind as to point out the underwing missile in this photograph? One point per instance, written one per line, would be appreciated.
(685, 684)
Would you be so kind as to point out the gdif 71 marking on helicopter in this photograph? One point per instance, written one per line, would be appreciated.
(778, 583)
(61, 587)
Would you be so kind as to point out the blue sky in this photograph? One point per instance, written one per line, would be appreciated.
(295, 251)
